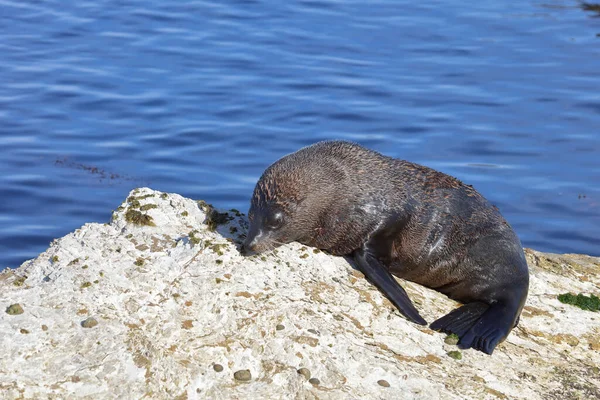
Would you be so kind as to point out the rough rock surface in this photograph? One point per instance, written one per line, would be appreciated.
(180, 314)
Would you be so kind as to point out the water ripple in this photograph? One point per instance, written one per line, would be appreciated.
(198, 97)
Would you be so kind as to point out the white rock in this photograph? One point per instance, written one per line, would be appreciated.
(169, 309)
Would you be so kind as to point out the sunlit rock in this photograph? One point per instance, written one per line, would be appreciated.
(159, 303)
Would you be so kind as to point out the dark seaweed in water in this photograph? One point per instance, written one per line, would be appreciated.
(591, 7)
(101, 173)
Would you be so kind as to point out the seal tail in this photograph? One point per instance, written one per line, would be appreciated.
(479, 325)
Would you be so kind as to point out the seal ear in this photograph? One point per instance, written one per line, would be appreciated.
(379, 275)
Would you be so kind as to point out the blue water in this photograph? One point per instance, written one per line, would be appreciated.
(197, 97)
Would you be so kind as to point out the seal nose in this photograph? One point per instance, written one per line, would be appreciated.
(252, 239)
(247, 249)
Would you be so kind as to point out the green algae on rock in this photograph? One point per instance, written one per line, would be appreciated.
(451, 339)
(215, 218)
(147, 207)
(591, 303)
(138, 218)
(457, 355)
(20, 281)
(193, 238)
(73, 262)
(218, 248)
(14, 309)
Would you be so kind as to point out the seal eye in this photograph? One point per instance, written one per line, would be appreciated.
(275, 221)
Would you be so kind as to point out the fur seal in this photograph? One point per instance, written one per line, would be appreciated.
(395, 217)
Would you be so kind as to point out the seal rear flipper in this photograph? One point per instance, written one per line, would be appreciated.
(491, 329)
(460, 320)
(379, 275)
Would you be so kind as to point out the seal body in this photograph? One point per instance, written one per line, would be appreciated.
(396, 217)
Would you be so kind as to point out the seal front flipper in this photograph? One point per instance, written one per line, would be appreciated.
(379, 275)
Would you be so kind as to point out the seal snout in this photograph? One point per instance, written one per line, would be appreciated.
(249, 247)
(247, 250)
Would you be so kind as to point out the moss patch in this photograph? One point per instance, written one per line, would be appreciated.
(216, 218)
(452, 339)
(138, 218)
(193, 239)
(457, 355)
(20, 281)
(139, 262)
(591, 303)
(14, 309)
(147, 207)
(218, 248)
(133, 199)
(133, 202)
